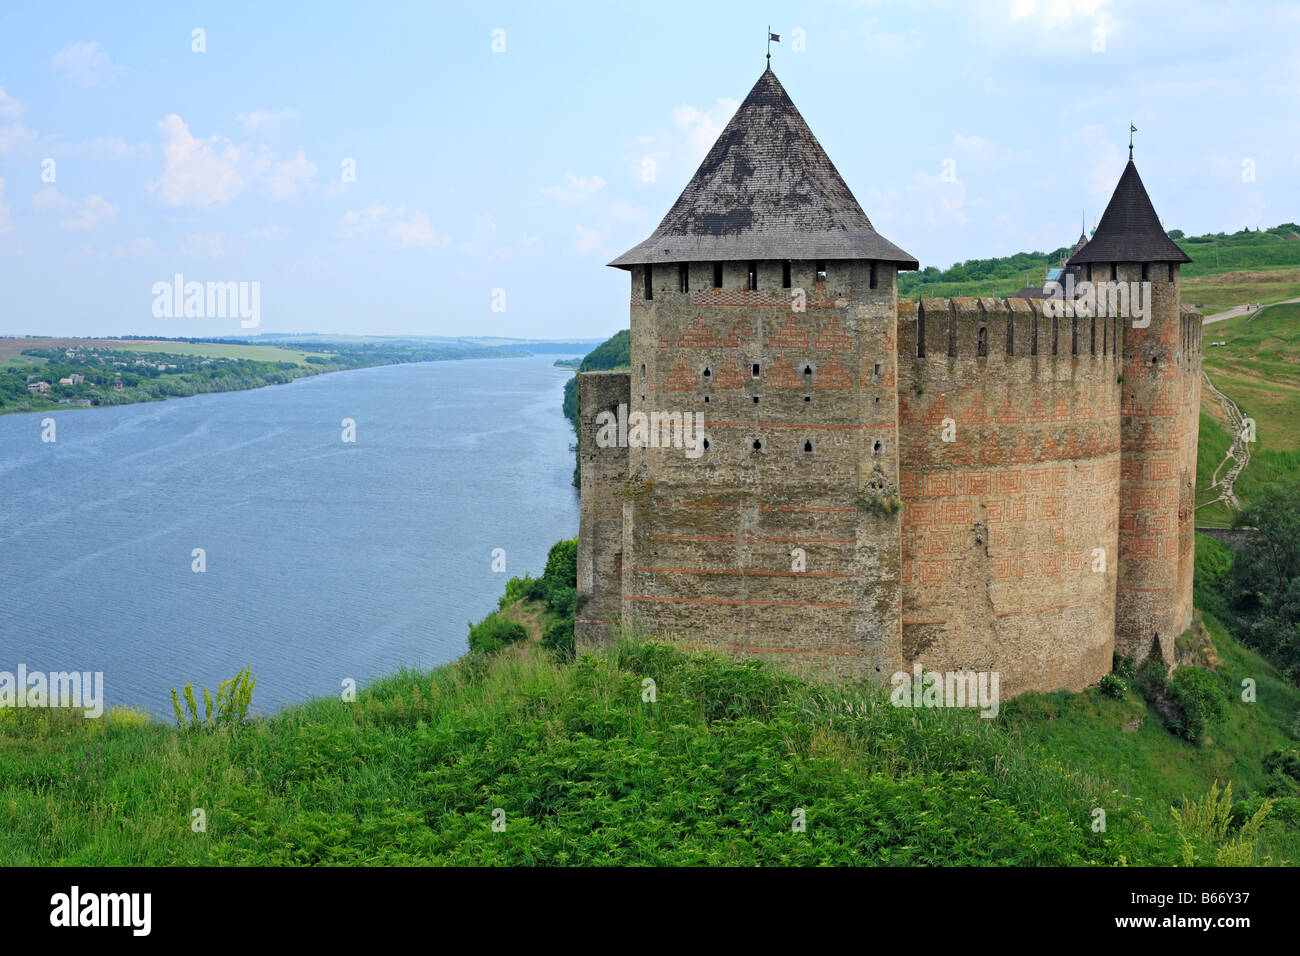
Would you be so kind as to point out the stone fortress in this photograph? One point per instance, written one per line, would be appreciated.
(966, 484)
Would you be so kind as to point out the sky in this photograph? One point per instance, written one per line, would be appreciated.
(468, 169)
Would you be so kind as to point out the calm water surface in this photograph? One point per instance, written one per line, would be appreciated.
(325, 560)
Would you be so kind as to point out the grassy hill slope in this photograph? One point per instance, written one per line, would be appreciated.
(643, 754)
(586, 771)
(1225, 270)
(1259, 369)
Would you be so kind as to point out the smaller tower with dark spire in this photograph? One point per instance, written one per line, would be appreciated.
(1159, 407)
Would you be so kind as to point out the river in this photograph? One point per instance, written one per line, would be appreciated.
(325, 560)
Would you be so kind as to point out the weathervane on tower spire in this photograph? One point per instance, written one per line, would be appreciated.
(770, 37)
(1131, 130)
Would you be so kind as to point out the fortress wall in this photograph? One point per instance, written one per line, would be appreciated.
(1158, 472)
(1190, 429)
(709, 541)
(1002, 524)
(600, 510)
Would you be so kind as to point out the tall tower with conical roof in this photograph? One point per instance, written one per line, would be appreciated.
(765, 302)
(1160, 408)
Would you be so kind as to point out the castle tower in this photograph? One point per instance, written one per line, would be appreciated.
(1160, 402)
(766, 302)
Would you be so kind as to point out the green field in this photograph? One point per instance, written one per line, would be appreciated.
(1211, 447)
(1222, 291)
(257, 353)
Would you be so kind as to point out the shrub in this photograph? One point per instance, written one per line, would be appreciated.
(1111, 686)
(562, 601)
(562, 565)
(1151, 679)
(495, 632)
(882, 505)
(1198, 692)
(525, 588)
(1283, 769)
(230, 708)
(558, 637)
(1203, 831)
(1124, 667)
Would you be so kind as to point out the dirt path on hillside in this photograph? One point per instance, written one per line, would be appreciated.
(1237, 310)
(1238, 451)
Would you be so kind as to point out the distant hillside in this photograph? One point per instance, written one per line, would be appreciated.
(533, 346)
(1216, 254)
(614, 352)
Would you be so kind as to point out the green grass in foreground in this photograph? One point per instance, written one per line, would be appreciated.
(585, 771)
(588, 772)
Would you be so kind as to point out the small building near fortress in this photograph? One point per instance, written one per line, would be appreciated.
(981, 484)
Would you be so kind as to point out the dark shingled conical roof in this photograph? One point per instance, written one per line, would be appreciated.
(766, 190)
(1129, 230)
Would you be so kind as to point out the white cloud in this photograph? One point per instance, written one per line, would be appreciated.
(402, 228)
(675, 153)
(15, 134)
(10, 108)
(417, 231)
(699, 129)
(1038, 29)
(111, 147)
(84, 63)
(5, 224)
(590, 241)
(575, 188)
(50, 199)
(286, 177)
(197, 172)
(1105, 161)
(266, 122)
(94, 211)
(206, 172)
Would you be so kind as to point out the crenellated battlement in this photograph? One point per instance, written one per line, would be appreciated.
(1010, 328)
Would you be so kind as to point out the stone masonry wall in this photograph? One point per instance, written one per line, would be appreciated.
(1161, 407)
(1009, 534)
(780, 540)
(600, 511)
